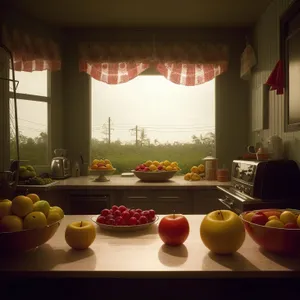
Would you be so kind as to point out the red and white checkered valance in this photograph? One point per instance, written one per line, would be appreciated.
(190, 74)
(31, 53)
(113, 73)
(183, 63)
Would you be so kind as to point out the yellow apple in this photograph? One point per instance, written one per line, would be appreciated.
(273, 218)
(5, 208)
(21, 206)
(80, 235)
(275, 223)
(248, 216)
(11, 223)
(35, 219)
(222, 231)
(287, 217)
(34, 197)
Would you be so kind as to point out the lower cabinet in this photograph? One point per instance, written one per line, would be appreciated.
(162, 201)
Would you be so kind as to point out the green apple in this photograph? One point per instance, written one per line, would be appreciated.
(222, 231)
(42, 206)
(30, 168)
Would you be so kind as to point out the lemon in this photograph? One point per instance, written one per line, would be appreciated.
(195, 177)
(148, 163)
(174, 164)
(109, 166)
(187, 176)
(21, 206)
(107, 161)
(166, 163)
(169, 168)
(152, 167)
(95, 162)
(155, 162)
(201, 168)
(194, 169)
(101, 161)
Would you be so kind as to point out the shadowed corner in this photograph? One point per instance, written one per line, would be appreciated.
(45, 258)
(172, 256)
(288, 261)
(234, 262)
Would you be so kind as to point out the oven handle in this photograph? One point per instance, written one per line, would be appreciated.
(229, 193)
(224, 202)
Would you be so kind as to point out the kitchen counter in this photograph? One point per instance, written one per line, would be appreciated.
(142, 254)
(118, 182)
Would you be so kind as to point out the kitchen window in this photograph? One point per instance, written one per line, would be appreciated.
(151, 118)
(33, 106)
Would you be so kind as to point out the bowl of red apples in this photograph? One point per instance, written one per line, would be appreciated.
(121, 218)
(275, 230)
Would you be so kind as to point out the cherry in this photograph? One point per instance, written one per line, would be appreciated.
(111, 222)
(146, 214)
(109, 217)
(152, 213)
(104, 212)
(136, 215)
(143, 220)
(138, 210)
(119, 221)
(132, 221)
(132, 212)
(117, 213)
(101, 219)
(122, 208)
(126, 215)
(114, 207)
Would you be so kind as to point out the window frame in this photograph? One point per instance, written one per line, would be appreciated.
(46, 99)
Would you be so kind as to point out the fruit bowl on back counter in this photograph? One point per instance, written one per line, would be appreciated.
(275, 230)
(158, 176)
(101, 174)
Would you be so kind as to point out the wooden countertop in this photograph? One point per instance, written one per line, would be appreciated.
(118, 182)
(142, 254)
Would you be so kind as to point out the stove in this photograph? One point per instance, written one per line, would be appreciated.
(262, 184)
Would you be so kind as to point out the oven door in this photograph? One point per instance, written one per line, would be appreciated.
(228, 199)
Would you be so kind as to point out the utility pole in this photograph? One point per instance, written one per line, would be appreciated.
(135, 132)
(107, 129)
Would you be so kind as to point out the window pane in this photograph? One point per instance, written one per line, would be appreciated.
(32, 83)
(33, 131)
(151, 118)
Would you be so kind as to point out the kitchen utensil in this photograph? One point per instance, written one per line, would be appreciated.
(27, 239)
(125, 228)
(60, 167)
(277, 240)
(211, 165)
(159, 176)
(101, 174)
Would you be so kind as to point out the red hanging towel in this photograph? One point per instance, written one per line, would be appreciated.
(276, 79)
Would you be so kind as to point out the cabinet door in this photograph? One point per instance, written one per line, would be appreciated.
(207, 201)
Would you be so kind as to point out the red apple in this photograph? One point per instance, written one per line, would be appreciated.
(260, 219)
(137, 168)
(174, 229)
(160, 167)
(142, 166)
(291, 225)
(146, 169)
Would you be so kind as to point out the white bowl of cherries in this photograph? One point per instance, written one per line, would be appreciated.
(121, 218)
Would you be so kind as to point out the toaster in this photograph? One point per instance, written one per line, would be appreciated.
(60, 168)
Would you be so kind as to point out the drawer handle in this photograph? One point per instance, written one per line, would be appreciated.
(170, 198)
(137, 197)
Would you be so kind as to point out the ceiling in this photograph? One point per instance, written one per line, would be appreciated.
(126, 13)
